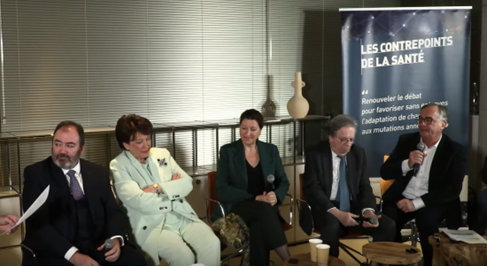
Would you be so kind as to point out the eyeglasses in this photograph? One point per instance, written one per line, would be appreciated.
(427, 120)
(346, 140)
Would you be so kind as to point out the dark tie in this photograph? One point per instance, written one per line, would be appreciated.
(74, 186)
(343, 193)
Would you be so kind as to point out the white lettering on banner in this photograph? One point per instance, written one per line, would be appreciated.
(379, 100)
(377, 120)
(378, 107)
(400, 50)
(406, 45)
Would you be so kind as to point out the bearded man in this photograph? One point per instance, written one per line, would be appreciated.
(80, 213)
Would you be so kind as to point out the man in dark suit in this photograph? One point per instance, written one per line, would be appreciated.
(427, 183)
(336, 187)
(80, 212)
(482, 201)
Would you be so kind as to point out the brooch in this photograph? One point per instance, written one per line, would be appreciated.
(162, 162)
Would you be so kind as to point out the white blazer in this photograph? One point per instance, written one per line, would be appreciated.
(147, 211)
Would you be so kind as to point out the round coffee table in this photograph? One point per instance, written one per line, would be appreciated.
(305, 260)
(391, 253)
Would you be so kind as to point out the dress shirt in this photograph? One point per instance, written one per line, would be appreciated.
(336, 179)
(418, 185)
(77, 169)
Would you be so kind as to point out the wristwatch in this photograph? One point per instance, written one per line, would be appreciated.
(156, 186)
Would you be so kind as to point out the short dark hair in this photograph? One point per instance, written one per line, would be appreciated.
(129, 125)
(340, 121)
(79, 128)
(442, 110)
(253, 114)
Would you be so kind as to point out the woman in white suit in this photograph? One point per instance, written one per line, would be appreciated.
(152, 187)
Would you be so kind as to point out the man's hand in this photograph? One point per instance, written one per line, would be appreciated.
(406, 205)
(79, 259)
(271, 198)
(7, 222)
(345, 218)
(415, 157)
(370, 214)
(113, 254)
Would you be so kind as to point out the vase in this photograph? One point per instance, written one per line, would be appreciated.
(298, 106)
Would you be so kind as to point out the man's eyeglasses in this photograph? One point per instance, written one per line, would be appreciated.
(427, 120)
(346, 140)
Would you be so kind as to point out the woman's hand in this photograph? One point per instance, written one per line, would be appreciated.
(176, 176)
(269, 197)
(154, 188)
(261, 198)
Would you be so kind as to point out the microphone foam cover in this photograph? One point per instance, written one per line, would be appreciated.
(421, 146)
(270, 178)
(109, 244)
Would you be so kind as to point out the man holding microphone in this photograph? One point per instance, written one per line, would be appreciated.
(428, 170)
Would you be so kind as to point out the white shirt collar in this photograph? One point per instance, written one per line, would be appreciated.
(435, 145)
(335, 156)
(76, 168)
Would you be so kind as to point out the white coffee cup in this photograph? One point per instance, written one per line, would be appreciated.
(323, 253)
(312, 248)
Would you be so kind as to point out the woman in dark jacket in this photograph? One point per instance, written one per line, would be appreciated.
(242, 185)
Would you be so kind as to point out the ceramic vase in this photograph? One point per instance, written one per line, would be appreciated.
(298, 106)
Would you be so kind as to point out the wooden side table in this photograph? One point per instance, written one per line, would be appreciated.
(447, 253)
(304, 259)
(391, 253)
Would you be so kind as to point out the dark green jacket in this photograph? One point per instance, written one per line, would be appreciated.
(231, 177)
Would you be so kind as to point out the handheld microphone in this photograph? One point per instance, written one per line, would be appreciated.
(416, 166)
(108, 245)
(270, 180)
(361, 219)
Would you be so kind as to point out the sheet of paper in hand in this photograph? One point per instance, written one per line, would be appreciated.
(33, 208)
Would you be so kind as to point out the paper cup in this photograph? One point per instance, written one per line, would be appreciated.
(312, 248)
(323, 252)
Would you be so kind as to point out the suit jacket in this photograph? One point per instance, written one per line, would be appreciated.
(147, 211)
(318, 178)
(483, 172)
(51, 230)
(231, 175)
(447, 171)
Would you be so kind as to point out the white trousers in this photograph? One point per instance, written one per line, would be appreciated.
(173, 245)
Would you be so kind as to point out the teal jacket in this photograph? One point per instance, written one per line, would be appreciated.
(231, 176)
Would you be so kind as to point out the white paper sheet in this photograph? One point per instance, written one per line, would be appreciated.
(467, 236)
(33, 208)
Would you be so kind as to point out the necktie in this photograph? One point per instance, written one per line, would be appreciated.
(74, 186)
(343, 193)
